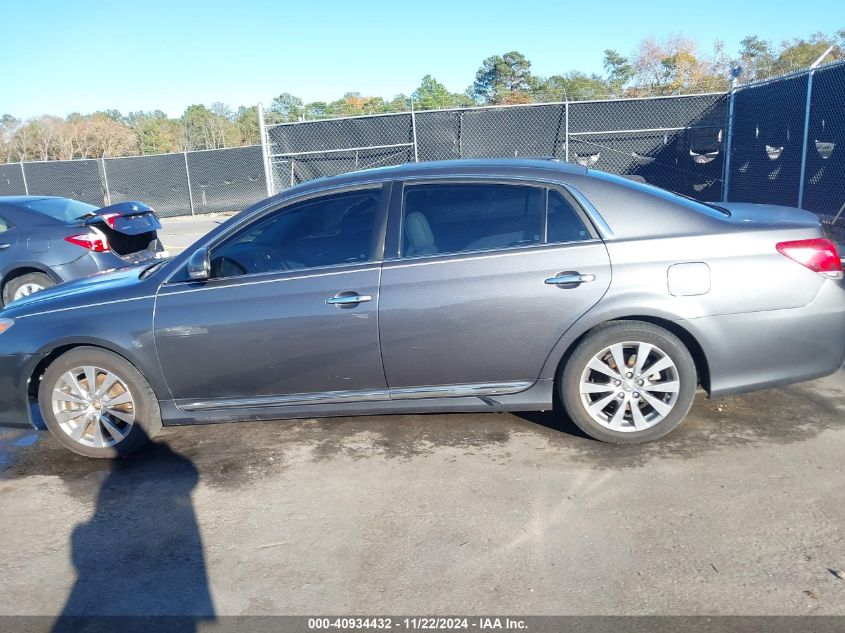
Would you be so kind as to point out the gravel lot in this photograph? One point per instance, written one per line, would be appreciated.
(738, 512)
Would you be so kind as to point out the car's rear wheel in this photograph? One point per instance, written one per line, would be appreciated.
(628, 382)
(25, 285)
(97, 404)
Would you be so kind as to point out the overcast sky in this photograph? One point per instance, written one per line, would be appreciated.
(61, 56)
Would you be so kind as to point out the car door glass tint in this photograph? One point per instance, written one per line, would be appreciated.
(455, 218)
(326, 231)
(564, 224)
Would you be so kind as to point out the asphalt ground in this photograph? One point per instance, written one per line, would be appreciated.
(739, 511)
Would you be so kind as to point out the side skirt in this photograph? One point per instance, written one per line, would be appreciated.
(535, 398)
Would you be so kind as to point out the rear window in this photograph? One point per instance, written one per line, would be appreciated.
(61, 209)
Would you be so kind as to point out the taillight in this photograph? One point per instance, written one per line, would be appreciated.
(110, 218)
(819, 255)
(93, 242)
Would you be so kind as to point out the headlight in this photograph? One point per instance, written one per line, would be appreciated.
(5, 324)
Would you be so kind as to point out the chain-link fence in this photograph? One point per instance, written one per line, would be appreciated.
(212, 181)
(779, 141)
(673, 142)
(787, 143)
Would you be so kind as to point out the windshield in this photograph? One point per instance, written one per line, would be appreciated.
(61, 209)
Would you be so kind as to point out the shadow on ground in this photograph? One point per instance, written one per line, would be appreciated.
(140, 553)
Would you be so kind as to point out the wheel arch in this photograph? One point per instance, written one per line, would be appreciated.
(24, 268)
(572, 338)
(50, 355)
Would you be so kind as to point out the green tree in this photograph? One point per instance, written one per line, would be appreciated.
(246, 121)
(756, 58)
(501, 75)
(800, 53)
(431, 95)
(157, 134)
(619, 70)
(287, 107)
(572, 86)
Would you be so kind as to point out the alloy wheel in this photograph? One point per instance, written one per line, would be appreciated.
(630, 386)
(93, 406)
(26, 290)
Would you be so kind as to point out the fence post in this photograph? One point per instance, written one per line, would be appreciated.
(188, 178)
(25, 185)
(105, 181)
(803, 169)
(414, 132)
(726, 165)
(265, 153)
(566, 129)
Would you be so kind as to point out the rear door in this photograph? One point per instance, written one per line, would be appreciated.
(465, 298)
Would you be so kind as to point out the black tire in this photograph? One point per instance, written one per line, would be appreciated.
(603, 337)
(145, 408)
(34, 279)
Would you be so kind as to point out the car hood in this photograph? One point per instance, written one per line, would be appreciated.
(107, 286)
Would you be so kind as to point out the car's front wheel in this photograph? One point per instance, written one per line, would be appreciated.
(97, 404)
(628, 382)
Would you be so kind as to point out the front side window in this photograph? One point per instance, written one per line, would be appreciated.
(326, 231)
(461, 217)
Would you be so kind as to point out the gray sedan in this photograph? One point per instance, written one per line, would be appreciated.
(46, 240)
(499, 285)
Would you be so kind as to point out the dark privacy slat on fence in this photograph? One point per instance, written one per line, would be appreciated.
(11, 180)
(824, 180)
(768, 131)
(688, 160)
(160, 181)
(78, 179)
(226, 179)
(338, 134)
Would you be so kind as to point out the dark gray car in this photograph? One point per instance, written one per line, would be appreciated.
(46, 240)
(454, 286)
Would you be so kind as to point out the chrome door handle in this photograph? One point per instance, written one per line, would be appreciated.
(348, 299)
(564, 279)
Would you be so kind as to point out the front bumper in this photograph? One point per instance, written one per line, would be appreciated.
(14, 400)
(758, 350)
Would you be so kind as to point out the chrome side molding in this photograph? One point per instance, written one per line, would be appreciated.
(368, 395)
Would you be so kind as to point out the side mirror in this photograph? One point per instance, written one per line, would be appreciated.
(199, 265)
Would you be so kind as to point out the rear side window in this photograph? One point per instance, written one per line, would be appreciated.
(564, 224)
(4, 225)
(61, 209)
(462, 217)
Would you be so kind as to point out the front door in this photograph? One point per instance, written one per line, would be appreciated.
(467, 302)
(289, 314)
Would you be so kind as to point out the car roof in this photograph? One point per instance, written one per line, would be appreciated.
(504, 167)
(20, 199)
